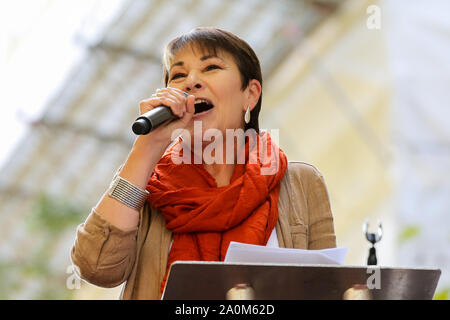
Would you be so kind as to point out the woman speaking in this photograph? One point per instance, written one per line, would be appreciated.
(184, 193)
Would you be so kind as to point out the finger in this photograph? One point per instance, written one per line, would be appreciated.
(171, 89)
(152, 102)
(183, 93)
(190, 110)
(164, 101)
(175, 94)
(174, 105)
(190, 104)
(176, 91)
(180, 100)
(146, 104)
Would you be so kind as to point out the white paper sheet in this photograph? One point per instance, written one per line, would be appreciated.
(241, 252)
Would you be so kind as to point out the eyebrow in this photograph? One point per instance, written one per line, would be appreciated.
(181, 63)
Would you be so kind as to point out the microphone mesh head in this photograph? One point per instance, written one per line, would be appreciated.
(141, 126)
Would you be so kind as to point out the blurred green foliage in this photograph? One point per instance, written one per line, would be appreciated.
(31, 273)
(409, 233)
(54, 214)
(442, 295)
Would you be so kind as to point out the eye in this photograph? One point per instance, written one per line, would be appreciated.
(177, 75)
(212, 67)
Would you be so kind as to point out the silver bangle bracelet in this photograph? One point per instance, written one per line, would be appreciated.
(127, 193)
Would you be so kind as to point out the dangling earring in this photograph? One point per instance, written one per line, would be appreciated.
(247, 115)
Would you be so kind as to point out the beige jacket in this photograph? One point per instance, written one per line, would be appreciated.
(107, 256)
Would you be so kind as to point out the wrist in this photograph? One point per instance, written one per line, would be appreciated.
(126, 192)
(147, 144)
(142, 160)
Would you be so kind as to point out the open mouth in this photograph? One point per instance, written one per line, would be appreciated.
(202, 105)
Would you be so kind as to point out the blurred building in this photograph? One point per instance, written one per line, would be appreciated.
(419, 47)
(327, 87)
(69, 156)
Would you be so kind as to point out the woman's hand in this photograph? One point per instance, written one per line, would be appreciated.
(181, 106)
(145, 154)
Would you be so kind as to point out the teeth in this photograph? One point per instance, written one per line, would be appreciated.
(201, 101)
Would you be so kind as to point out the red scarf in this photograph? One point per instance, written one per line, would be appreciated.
(204, 218)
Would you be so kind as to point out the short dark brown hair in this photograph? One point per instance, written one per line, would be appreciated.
(211, 39)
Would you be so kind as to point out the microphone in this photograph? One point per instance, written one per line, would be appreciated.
(152, 119)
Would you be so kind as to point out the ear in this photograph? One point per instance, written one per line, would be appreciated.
(254, 92)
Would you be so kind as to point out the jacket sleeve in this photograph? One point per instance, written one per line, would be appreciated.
(103, 254)
(321, 223)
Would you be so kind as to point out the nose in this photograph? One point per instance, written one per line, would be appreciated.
(193, 82)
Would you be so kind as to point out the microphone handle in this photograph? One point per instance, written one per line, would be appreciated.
(152, 119)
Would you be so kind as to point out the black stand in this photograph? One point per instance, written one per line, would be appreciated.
(372, 238)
